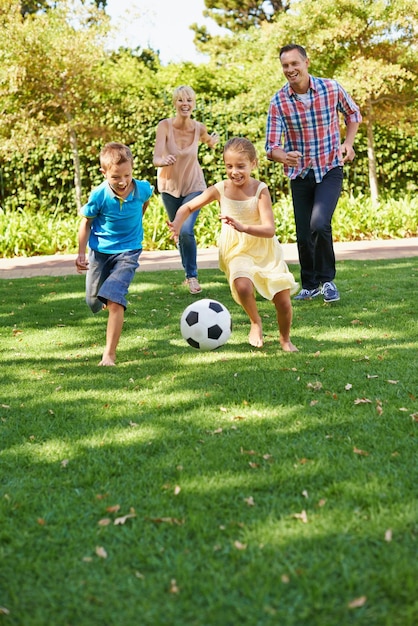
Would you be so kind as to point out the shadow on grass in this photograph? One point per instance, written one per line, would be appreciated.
(220, 455)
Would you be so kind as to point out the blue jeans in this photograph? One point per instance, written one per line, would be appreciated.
(313, 206)
(187, 242)
(109, 277)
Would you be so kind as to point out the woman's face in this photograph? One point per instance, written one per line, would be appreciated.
(185, 104)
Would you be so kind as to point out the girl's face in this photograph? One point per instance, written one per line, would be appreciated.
(238, 167)
(119, 176)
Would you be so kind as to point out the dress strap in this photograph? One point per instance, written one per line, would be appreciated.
(260, 188)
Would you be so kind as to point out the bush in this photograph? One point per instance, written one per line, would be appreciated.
(23, 233)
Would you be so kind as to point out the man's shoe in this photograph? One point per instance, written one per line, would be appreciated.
(308, 294)
(330, 292)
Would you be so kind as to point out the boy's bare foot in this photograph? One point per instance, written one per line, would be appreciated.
(256, 335)
(107, 360)
(287, 346)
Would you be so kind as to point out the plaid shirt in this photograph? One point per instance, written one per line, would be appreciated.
(312, 128)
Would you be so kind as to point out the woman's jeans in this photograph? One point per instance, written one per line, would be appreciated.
(313, 206)
(187, 242)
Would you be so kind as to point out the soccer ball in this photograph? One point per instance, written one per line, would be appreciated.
(206, 324)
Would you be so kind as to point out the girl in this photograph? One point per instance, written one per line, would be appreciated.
(249, 252)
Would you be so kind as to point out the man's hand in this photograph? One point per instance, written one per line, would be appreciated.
(347, 152)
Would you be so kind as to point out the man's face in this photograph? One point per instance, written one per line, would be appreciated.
(295, 68)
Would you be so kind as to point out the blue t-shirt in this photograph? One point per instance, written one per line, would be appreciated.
(117, 223)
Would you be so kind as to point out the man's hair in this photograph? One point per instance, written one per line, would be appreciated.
(186, 90)
(293, 46)
(241, 144)
(114, 153)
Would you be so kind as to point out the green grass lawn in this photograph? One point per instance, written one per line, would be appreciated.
(227, 488)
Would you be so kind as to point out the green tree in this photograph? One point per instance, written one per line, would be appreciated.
(51, 75)
(239, 15)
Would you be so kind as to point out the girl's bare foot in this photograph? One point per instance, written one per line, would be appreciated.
(287, 346)
(256, 335)
(107, 360)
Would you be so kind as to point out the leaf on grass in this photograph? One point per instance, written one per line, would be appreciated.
(253, 465)
(285, 579)
(414, 417)
(313, 402)
(222, 408)
(317, 353)
(122, 519)
(240, 546)
(4, 611)
(113, 509)
(101, 496)
(218, 431)
(302, 516)
(238, 417)
(133, 424)
(105, 521)
(393, 382)
(357, 602)
(41, 521)
(177, 490)
(322, 502)
(362, 401)
(267, 457)
(64, 462)
(379, 408)
(316, 386)
(249, 501)
(174, 588)
(5, 406)
(101, 552)
(247, 451)
(372, 376)
(361, 452)
(388, 535)
(348, 386)
(305, 493)
(167, 520)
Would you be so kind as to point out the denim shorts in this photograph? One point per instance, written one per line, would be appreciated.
(109, 277)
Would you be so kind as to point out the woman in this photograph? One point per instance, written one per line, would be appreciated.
(179, 176)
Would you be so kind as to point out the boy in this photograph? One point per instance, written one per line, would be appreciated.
(112, 227)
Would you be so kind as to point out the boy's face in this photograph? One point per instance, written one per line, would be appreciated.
(119, 176)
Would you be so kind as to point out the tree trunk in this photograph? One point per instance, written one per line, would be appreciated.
(374, 188)
(77, 170)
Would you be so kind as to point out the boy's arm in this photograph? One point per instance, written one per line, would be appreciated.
(83, 236)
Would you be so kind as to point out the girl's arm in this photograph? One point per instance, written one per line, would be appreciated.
(267, 227)
(159, 160)
(206, 197)
(211, 140)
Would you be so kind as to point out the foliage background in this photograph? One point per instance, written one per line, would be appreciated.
(63, 94)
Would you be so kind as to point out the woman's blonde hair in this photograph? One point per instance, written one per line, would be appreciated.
(184, 90)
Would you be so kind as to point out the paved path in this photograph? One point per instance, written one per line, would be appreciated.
(63, 264)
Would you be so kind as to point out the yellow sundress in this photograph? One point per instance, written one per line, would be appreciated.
(258, 258)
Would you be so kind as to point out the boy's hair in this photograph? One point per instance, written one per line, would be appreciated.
(114, 153)
(293, 46)
(241, 144)
(186, 90)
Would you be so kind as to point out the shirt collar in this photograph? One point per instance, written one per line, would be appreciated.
(312, 85)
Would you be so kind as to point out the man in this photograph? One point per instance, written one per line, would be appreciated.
(303, 133)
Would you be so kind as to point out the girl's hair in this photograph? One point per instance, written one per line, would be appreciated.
(114, 153)
(186, 90)
(240, 144)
